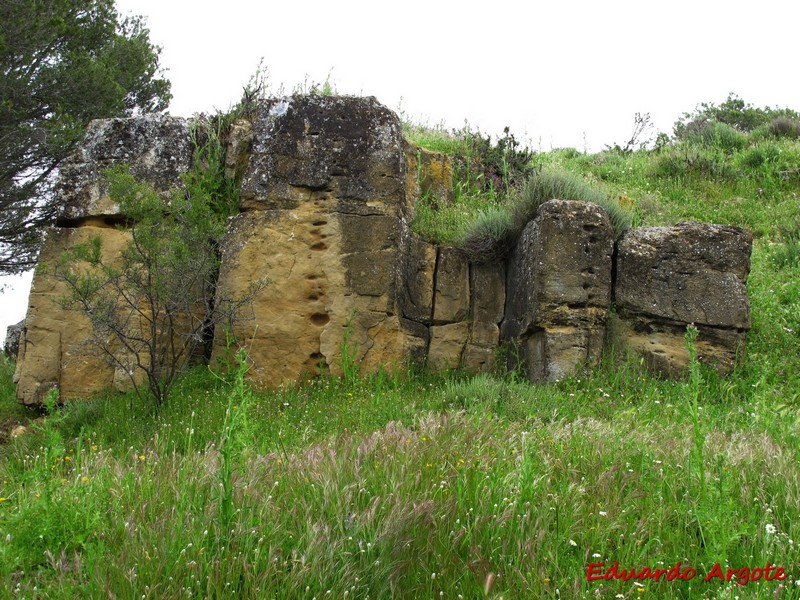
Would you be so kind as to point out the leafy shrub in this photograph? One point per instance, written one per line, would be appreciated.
(785, 127)
(712, 133)
(669, 165)
(481, 167)
(734, 112)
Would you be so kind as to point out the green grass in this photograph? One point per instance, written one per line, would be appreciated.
(428, 486)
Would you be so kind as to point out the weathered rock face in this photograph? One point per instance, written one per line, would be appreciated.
(669, 277)
(325, 210)
(13, 333)
(158, 149)
(559, 289)
(55, 349)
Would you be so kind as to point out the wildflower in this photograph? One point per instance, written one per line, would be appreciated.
(603, 513)
(770, 528)
(85, 479)
(573, 543)
(141, 457)
(3, 499)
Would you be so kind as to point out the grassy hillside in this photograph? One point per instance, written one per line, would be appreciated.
(428, 486)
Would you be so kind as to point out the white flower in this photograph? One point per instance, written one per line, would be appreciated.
(573, 543)
(770, 528)
(597, 555)
(603, 513)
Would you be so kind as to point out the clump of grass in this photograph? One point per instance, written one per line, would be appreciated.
(445, 223)
(489, 236)
(493, 231)
(786, 254)
(562, 185)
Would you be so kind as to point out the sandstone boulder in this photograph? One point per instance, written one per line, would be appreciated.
(669, 277)
(559, 289)
(324, 202)
(55, 348)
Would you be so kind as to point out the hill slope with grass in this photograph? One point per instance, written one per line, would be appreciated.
(444, 485)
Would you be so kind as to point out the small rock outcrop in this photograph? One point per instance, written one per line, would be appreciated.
(669, 277)
(329, 190)
(11, 344)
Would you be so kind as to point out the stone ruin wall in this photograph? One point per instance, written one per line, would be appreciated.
(329, 189)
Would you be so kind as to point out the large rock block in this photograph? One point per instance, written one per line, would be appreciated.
(690, 273)
(326, 199)
(158, 148)
(55, 348)
(341, 154)
(559, 289)
(669, 277)
(325, 290)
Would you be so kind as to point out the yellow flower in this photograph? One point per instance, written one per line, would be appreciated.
(141, 457)
(3, 499)
(85, 479)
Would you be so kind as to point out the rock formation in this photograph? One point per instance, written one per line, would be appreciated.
(329, 189)
(11, 344)
(55, 348)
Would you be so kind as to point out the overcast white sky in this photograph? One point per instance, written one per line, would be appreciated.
(559, 73)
